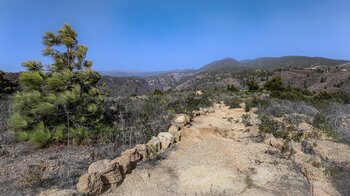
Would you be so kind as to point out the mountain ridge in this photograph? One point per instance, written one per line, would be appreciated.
(230, 64)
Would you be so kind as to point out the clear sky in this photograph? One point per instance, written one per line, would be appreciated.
(154, 35)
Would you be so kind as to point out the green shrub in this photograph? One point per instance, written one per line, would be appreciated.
(268, 125)
(157, 92)
(232, 88)
(6, 86)
(253, 85)
(275, 84)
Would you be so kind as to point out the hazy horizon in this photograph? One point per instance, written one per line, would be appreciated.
(155, 35)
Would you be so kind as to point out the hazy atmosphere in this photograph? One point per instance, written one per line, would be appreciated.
(156, 35)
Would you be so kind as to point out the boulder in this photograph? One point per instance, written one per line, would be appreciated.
(174, 130)
(90, 184)
(154, 145)
(57, 192)
(128, 160)
(98, 166)
(242, 105)
(181, 120)
(109, 171)
(143, 150)
(166, 139)
(199, 92)
(274, 142)
(196, 113)
(101, 174)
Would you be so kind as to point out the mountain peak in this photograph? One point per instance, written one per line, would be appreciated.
(223, 64)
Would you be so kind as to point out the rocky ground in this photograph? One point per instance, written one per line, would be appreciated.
(219, 155)
(28, 171)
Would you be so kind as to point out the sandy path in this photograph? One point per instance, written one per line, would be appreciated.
(206, 163)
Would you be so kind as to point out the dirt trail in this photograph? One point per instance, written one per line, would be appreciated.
(218, 156)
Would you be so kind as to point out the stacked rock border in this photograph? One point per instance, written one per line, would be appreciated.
(105, 174)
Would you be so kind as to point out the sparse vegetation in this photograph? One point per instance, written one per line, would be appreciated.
(246, 120)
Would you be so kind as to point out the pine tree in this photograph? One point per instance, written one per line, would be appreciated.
(61, 102)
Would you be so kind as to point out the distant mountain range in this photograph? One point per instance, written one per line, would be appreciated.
(142, 74)
(223, 72)
(230, 64)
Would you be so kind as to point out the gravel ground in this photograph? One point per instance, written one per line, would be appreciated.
(28, 171)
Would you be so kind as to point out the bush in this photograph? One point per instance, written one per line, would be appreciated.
(232, 88)
(256, 102)
(157, 92)
(275, 84)
(325, 97)
(269, 125)
(232, 102)
(137, 119)
(6, 86)
(253, 85)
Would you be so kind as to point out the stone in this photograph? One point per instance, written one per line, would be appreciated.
(196, 113)
(143, 150)
(166, 139)
(57, 192)
(98, 166)
(254, 110)
(274, 142)
(205, 110)
(128, 160)
(101, 174)
(90, 184)
(174, 130)
(154, 145)
(199, 92)
(242, 105)
(181, 120)
(108, 169)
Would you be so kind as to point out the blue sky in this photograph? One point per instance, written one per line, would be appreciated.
(154, 35)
